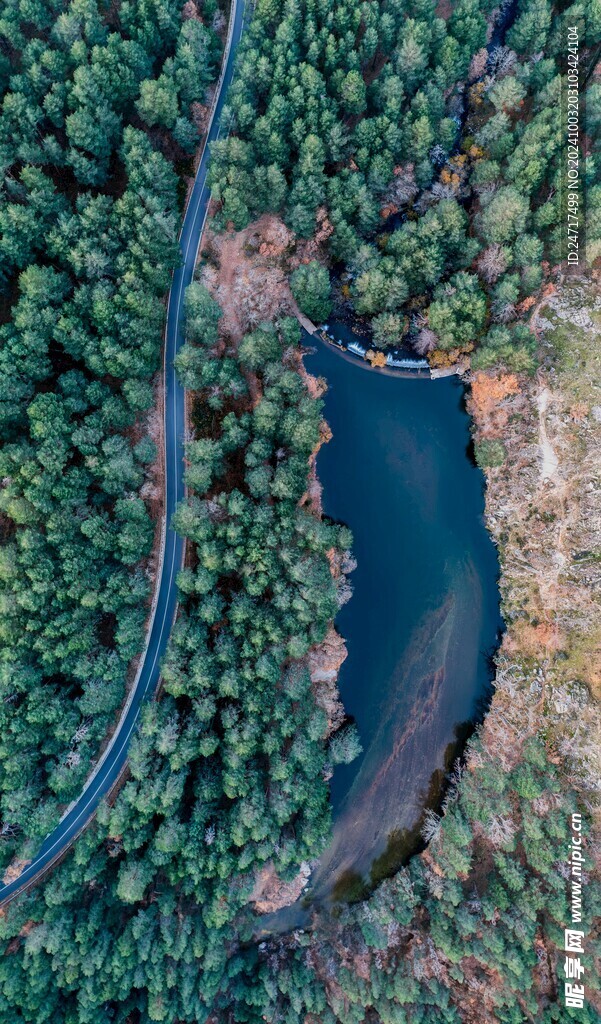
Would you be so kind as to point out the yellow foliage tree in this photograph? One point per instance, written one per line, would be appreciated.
(375, 358)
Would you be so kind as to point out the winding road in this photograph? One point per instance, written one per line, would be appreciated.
(111, 765)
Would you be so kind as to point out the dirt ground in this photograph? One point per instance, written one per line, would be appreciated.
(543, 509)
(247, 271)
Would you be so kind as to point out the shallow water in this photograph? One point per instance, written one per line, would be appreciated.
(424, 616)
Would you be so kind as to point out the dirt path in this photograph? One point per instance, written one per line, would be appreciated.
(550, 462)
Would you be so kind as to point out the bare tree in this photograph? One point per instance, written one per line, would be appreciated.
(430, 829)
(503, 312)
(500, 61)
(9, 830)
(81, 732)
(426, 341)
(492, 262)
(500, 830)
(403, 188)
(478, 65)
(444, 190)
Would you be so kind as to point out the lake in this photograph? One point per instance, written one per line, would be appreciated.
(424, 618)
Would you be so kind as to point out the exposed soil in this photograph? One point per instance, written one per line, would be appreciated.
(246, 271)
(324, 665)
(544, 504)
(14, 869)
(550, 462)
(270, 893)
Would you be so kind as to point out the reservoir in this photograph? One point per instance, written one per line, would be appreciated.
(424, 618)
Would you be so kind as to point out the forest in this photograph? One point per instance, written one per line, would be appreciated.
(436, 156)
(444, 218)
(230, 767)
(96, 119)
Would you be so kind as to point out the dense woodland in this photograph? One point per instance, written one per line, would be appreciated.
(96, 108)
(230, 767)
(471, 930)
(355, 108)
(444, 201)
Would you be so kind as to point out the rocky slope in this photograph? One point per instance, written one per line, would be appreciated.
(543, 501)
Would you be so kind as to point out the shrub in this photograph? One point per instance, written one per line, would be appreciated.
(490, 453)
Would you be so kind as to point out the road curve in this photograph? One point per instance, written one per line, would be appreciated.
(112, 763)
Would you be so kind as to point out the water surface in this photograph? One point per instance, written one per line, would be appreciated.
(424, 616)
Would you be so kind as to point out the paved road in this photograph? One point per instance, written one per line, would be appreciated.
(111, 766)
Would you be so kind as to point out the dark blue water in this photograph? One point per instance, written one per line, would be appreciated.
(424, 617)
